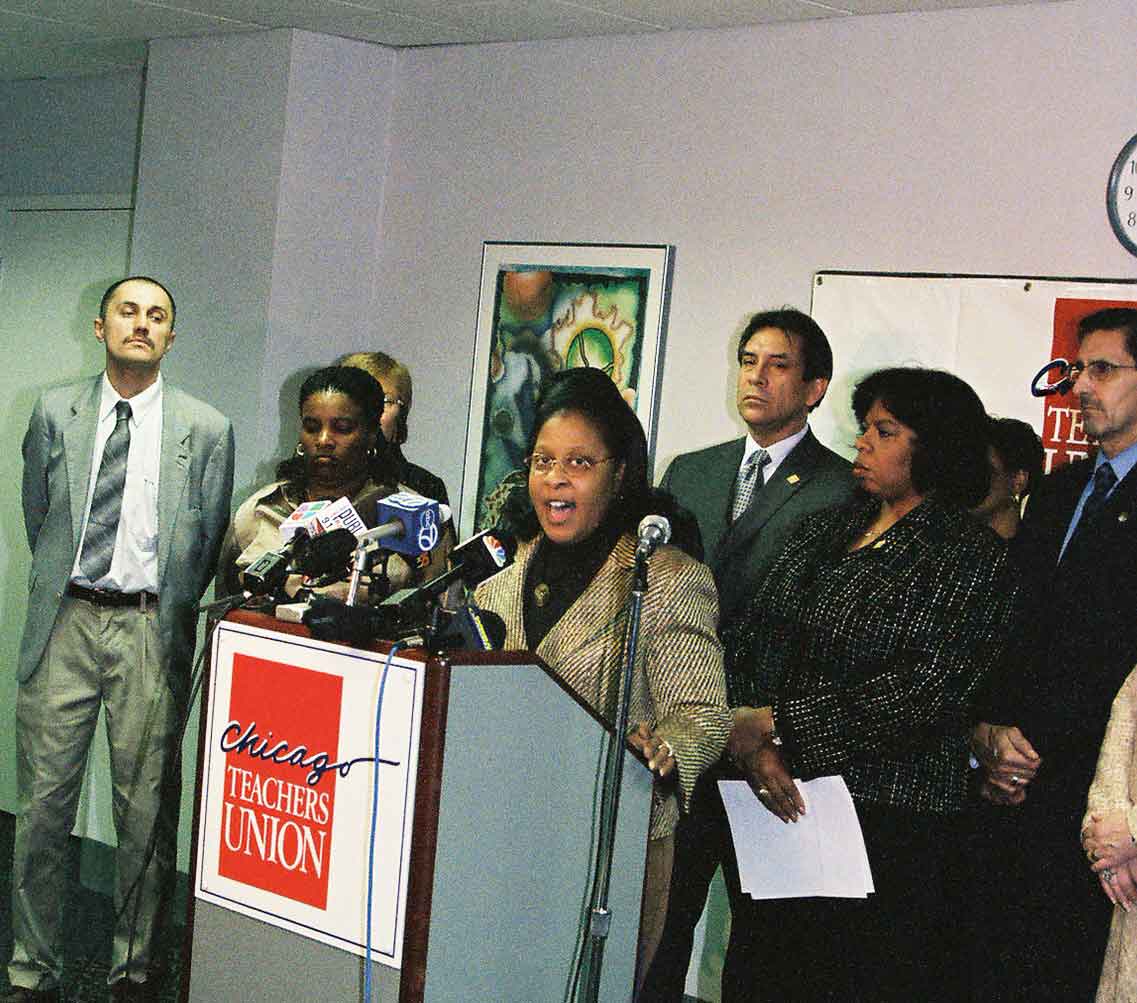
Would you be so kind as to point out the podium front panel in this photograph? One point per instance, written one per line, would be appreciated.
(516, 832)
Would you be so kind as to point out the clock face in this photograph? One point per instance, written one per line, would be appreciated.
(1121, 196)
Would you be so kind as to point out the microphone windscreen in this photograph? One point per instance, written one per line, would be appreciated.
(422, 525)
(325, 554)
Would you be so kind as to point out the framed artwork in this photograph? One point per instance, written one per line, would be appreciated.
(546, 307)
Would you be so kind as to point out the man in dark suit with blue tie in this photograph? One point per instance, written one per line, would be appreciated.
(1046, 916)
(748, 496)
(126, 492)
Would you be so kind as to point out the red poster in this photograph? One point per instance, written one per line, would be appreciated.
(281, 745)
(1063, 437)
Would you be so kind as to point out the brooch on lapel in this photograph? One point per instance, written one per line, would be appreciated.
(1122, 516)
(541, 594)
(792, 479)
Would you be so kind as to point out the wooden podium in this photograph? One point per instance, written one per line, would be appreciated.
(501, 837)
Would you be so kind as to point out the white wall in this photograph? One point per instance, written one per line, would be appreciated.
(971, 141)
(260, 180)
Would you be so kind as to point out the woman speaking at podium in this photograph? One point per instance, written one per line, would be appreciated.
(340, 453)
(566, 594)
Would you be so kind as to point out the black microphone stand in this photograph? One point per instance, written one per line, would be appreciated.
(600, 918)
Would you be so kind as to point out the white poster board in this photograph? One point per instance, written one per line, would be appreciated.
(287, 786)
(996, 333)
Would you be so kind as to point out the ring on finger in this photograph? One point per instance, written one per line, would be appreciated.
(1016, 780)
(1107, 874)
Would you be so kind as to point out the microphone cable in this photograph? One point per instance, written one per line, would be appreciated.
(368, 964)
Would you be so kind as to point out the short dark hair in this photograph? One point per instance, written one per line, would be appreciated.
(591, 394)
(105, 301)
(365, 392)
(1113, 318)
(817, 356)
(1019, 448)
(950, 422)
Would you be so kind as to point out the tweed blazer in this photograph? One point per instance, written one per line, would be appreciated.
(678, 685)
(195, 482)
(809, 479)
(870, 659)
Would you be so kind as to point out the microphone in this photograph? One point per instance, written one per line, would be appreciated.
(473, 561)
(268, 572)
(483, 555)
(470, 628)
(654, 531)
(411, 524)
(326, 554)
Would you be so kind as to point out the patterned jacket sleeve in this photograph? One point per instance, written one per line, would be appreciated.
(949, 630)
(684, 670)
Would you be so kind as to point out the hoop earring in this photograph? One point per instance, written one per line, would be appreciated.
(372, 453)
(299, 449)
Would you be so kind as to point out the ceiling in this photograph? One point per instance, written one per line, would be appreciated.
(62, 38)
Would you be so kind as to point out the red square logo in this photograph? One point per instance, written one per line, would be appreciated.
(278, 806)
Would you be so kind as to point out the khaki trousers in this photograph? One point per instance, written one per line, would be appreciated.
(109, 657)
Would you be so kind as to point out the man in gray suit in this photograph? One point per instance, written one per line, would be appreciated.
(748, 496)
(126, 494)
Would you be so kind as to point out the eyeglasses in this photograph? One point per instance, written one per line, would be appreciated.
(392, 401)
(1099, 370)
(572, 467)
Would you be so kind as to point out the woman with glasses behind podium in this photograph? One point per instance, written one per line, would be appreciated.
(565, 598)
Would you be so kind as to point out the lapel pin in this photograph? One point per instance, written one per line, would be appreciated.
(792, 479)
(1123, 517)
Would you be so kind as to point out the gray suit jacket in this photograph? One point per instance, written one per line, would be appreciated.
(195, 482)
(811, 478)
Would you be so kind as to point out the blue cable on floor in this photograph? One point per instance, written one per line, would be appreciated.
(374, 823)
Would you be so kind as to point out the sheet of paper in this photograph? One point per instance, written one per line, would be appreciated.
(823, 853)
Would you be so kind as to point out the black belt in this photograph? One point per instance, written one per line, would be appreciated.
(102, 597)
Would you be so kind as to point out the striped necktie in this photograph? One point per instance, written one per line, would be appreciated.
(747, 484)
(106, 503)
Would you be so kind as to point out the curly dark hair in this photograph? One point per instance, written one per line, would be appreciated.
(366, 393)
(950, 422)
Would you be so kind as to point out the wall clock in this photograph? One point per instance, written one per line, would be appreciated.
(1121, 196)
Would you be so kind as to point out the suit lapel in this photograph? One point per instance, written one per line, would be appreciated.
(1119, 508)
(719, 484)
(78, 445)
(173, 471)
(792, 474)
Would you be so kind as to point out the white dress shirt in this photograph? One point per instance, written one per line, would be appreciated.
(134, 567)
(777, 452)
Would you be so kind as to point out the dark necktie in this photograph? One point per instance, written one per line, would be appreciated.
(747, 484)
(106, 503)
(1104, 480)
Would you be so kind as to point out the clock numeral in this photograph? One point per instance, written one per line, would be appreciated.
(1131, 219)
(1127, 191)
(1133, 166)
